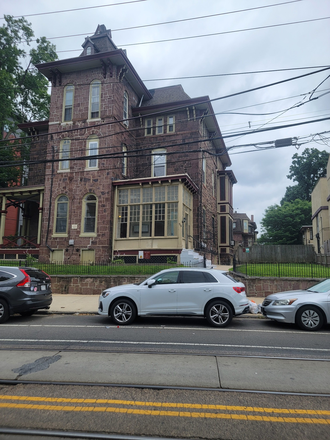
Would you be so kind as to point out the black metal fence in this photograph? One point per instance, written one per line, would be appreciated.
(117, 267)
(283, 270)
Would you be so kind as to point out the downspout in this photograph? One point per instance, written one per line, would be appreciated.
(50, 197)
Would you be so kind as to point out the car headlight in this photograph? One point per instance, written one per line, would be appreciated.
(284, 302)
(105, 293)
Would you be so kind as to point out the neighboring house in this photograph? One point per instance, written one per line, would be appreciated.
(307, 235)
(320, 214)
(244, 230)
(123, 171)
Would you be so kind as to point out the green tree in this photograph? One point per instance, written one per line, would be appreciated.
(292, 193)
(306, 170)
(23, 90)
(281, 224)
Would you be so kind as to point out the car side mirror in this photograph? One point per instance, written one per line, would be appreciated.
(150, 283)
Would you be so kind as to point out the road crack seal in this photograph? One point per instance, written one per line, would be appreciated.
(38, 365)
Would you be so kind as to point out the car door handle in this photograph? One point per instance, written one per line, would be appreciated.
(172, 291)
(207, 290)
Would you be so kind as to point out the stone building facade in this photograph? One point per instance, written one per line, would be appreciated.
(125, 172)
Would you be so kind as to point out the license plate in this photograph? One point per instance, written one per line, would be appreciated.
(43, 287)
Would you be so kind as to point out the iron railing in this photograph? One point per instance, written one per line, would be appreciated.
(283, 270)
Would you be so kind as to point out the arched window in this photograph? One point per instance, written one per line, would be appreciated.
(61, 220)
(125, 109)
(88, 50)
(95, 98)
(89, 214)
(68, 103)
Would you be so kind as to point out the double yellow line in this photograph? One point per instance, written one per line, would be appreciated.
(172, 409)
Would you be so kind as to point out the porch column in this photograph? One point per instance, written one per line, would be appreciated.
(3, 218)
(41, 199)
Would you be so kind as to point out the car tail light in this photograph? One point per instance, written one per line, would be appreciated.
(26, 282)
(48, 277)
(239, 289)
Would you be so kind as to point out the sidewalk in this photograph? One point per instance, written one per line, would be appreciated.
(88, 304)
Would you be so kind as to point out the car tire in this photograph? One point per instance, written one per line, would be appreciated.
(310, 318)
(28, 313)
(123, 312)
(219, 313)
(4, 311)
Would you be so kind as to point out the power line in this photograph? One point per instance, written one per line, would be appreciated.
(178, 107)
(164, 22)
(253, 72)
(76, 9)
(213, 34)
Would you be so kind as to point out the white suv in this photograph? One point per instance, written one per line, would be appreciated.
(180, 291)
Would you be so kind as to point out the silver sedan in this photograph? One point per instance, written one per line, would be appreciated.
(309, 309)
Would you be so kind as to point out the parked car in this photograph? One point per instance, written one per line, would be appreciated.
(309, 309)
(180, 291)
(23, 290)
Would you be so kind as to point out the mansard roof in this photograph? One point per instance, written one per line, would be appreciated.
(117, 57)
(101, 40)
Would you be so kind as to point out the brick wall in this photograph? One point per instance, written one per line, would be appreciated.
(262, 287)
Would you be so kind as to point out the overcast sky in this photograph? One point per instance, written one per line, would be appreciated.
(235, 37)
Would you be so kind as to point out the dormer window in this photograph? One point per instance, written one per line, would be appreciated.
(88, 50)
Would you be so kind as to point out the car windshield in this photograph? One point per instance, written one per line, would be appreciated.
(321, 287)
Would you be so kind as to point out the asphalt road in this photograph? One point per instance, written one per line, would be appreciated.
(252, 346)
(184, 335)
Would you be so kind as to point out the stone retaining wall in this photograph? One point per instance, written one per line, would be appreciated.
(95, 284)
(90, 284)
(264, 286)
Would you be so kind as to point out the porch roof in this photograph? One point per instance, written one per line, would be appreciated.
(184, 178)
(21, 193)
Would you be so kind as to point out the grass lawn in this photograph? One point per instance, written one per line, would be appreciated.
(298, 270)
(81, 269)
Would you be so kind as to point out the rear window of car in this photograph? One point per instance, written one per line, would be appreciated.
(5, 276)
(36, 274)
(189, 276)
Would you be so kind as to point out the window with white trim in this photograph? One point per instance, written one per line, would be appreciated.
(62, 210)
(68, 103)
(148, 127)
(64, 163)
(124, 163)
(92, 152)
(204, 170)
(150, 211)
(160, 126)
(125, 109)
(170, 124)
(89, 214)
(158, 163)
(95, 99)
